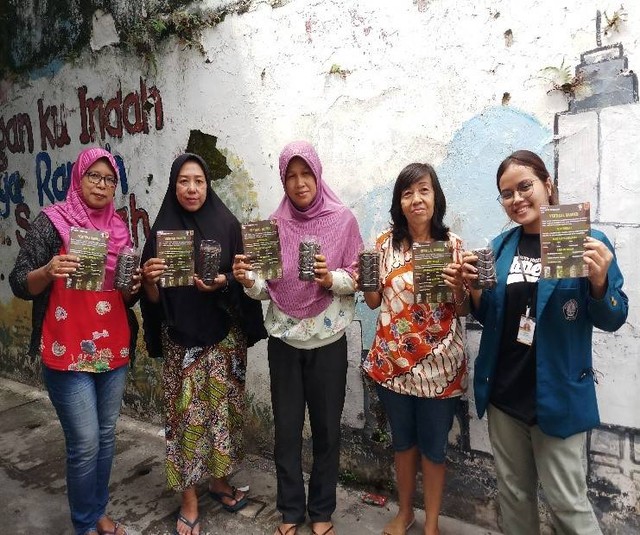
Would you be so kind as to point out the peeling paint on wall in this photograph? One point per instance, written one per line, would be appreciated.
(374, 85)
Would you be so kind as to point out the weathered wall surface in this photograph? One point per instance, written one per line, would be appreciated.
(374, 85)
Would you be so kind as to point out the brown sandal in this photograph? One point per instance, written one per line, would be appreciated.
(288, 531)
(118, 529)
(325, 532)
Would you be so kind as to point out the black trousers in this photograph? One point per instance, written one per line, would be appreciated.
(315, 378)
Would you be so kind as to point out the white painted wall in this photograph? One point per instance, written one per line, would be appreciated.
(425, 82)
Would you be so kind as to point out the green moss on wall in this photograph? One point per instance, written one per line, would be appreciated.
(204, 145)
(50, 33)
(231, 181)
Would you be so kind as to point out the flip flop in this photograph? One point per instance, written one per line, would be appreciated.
(116, 525)
(186, 522)
(287, 531)
(324, 532)
(240, 503)
(406, 528)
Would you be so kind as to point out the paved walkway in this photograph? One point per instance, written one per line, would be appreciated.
(32, 488)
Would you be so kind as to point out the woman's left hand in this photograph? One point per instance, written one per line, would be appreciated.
(137, 282)
(323, 276)
(219, 282)
(452, 275)
(598, 258)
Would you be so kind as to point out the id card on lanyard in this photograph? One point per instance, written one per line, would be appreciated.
(527, 327)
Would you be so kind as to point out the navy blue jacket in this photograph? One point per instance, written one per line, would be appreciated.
(565, 317)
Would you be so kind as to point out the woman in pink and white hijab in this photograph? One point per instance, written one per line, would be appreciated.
(82, 336)
(307, 348)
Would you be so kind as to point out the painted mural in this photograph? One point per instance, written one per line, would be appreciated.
(368, 83)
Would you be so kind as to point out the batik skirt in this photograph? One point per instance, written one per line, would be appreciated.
(204, 406)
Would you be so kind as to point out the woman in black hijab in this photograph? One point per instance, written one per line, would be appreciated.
(202, 331)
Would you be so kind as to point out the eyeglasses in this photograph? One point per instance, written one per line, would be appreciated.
(95, 178)
(524, 188)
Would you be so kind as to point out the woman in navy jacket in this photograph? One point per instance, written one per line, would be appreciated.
(534, 375)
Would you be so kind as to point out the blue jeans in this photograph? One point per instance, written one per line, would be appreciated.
(88, 405)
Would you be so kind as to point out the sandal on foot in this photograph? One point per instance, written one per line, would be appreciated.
(240, 502)
(325, 532)
(288, 531)
(180, 518)
(389, 528)
(114, 531)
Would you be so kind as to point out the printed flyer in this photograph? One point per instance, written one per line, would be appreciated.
(175, 247)
(563, 230)
(91, 247)
(262, 245)
(429, 261)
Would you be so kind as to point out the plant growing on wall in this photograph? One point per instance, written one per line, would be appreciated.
(561, 79)
(146, 35)
(336, 69)
(617, 19)
(141, 28)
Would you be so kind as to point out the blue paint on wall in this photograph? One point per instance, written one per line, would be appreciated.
(47, 71)
(467, 175)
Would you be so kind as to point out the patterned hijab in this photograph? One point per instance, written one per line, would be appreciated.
(327, 219)
(74, 211)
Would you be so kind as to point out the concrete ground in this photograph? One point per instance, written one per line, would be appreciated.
(32, 486)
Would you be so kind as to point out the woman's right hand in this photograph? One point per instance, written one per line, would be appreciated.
(372, 298)
(470, 275)
(469, 269)
(242, 270)
(152, 270)
(61, 266)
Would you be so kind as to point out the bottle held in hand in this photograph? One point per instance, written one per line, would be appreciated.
(127, 263)
(369, 270)
(209, 260)
(486, 266)
(309, 248)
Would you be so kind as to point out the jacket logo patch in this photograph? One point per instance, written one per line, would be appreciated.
(570, 309)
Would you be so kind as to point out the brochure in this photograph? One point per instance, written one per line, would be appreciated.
(91, 247)
(262, 246)
(175, 247)
(563, 230)
(429, 260)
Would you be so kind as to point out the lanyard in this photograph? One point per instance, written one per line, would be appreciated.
(532, 288)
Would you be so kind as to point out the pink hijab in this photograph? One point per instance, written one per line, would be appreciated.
(74, 212)
(327, 219)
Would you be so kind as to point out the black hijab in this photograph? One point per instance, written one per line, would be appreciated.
(196, 318)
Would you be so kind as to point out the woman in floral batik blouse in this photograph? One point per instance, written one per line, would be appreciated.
(417, 360)
(83, 336)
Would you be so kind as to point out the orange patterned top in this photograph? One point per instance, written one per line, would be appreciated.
(418, 349)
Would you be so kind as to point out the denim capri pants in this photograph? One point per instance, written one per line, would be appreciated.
(424, 422)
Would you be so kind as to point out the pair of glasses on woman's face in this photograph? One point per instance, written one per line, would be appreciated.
(524, 188)
(95, 178)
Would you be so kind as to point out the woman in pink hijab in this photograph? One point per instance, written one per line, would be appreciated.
(306, 322)
(82, 336)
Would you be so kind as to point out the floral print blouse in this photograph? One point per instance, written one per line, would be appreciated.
(418, 348)
(317, 331)
(84, 330)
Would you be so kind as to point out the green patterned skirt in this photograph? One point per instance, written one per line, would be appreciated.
(204, 406)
